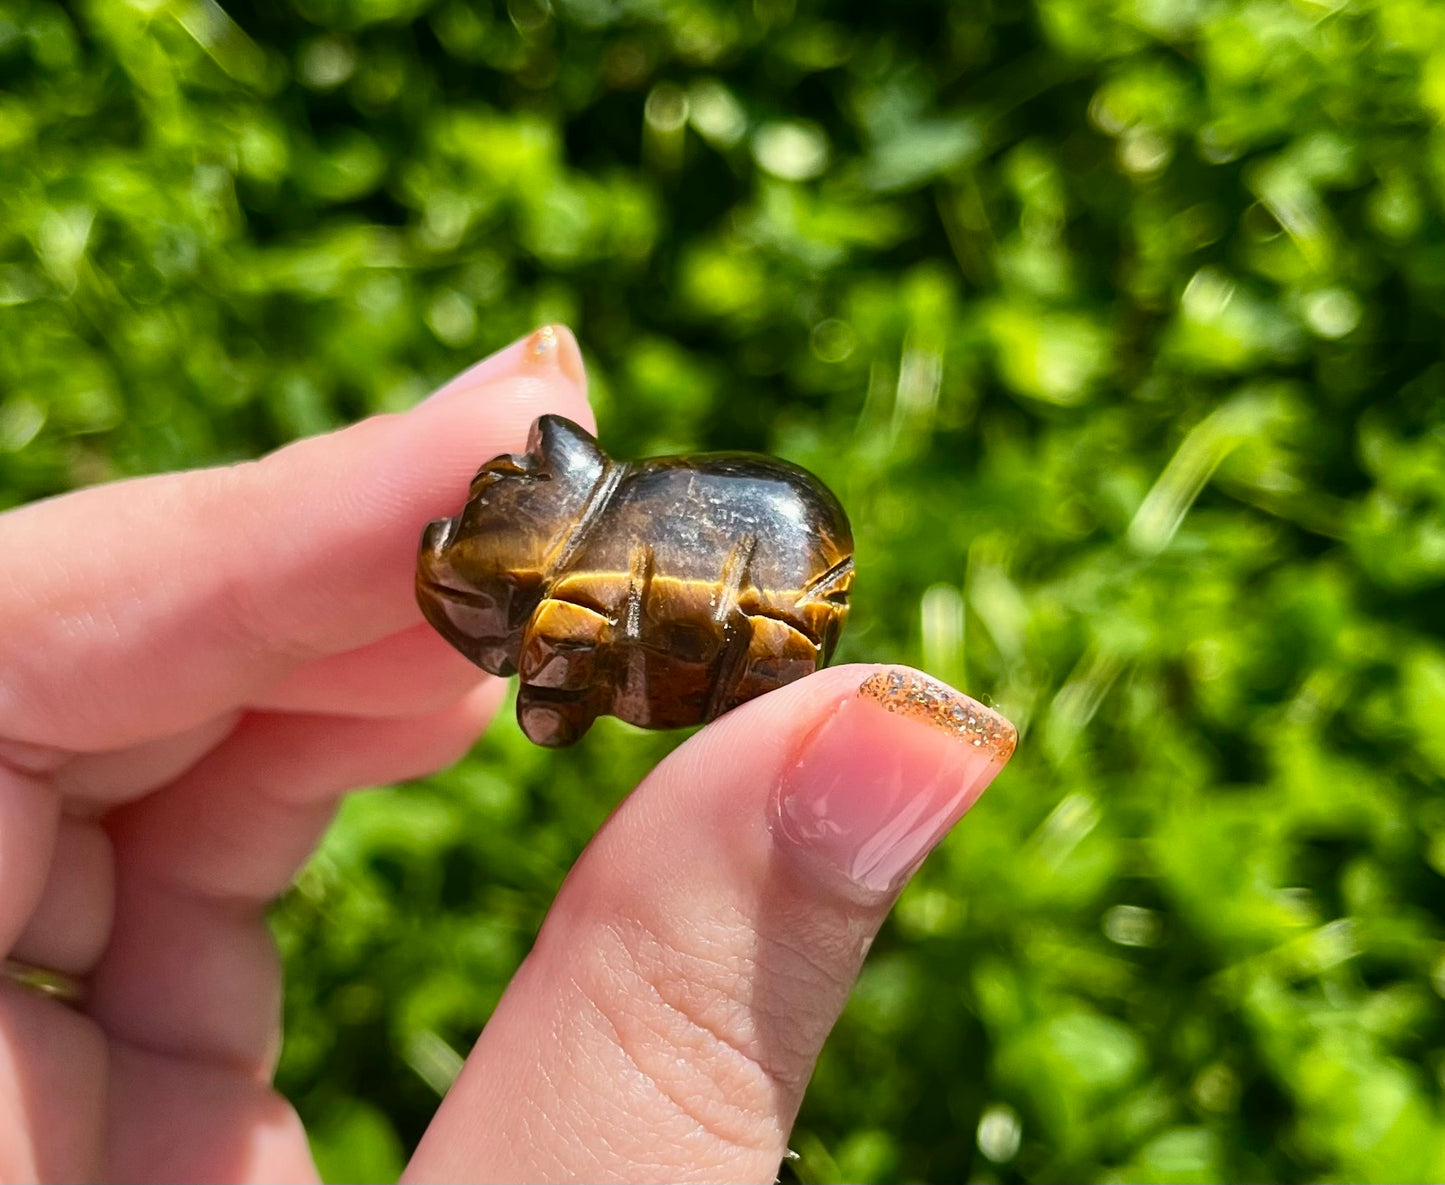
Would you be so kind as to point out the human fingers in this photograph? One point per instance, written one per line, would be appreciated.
(81, 1108)
(175, 1119)
(189, 968)
(409, 674)
(669, 1016)
(52, 1081)
(93, 781)
(29, 819)
(70, 923)
(148, 607)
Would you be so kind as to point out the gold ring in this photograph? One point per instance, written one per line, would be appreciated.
(54, 985)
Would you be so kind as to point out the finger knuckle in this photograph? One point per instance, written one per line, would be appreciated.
(682, 1010)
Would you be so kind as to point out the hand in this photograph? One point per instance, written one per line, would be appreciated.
(193, 669)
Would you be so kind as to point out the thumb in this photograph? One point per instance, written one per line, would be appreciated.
(668, 1019)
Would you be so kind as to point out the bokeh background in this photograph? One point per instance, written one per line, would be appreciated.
(1116, 324)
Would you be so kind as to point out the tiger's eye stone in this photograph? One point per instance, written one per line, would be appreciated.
(663, 592)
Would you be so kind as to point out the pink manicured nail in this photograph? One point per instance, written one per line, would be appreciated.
(886, 776)
(546, 351)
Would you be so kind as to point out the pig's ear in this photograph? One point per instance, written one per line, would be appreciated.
(562, 447)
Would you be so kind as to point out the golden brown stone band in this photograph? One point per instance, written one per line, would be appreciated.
(54, 985)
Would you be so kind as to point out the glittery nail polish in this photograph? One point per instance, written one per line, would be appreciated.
(885, 777)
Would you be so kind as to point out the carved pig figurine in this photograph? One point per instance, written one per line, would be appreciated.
(663, 592)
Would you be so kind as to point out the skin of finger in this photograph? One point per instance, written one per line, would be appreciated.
(71, 923)
(29, 819)
(190, 968)
(191, 977)
(52, 1090)
(225, 830)
(121, 775)
(668, 1018)
(177, 598)
(36, 760)
(170, 1119)
(239, 824)
(412, 673)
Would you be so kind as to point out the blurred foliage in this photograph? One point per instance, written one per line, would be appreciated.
(1115, 323)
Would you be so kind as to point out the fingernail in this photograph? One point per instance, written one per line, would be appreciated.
(885, 777)
(550, 350)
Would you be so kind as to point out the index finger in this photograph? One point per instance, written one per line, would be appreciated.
(139, 609)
